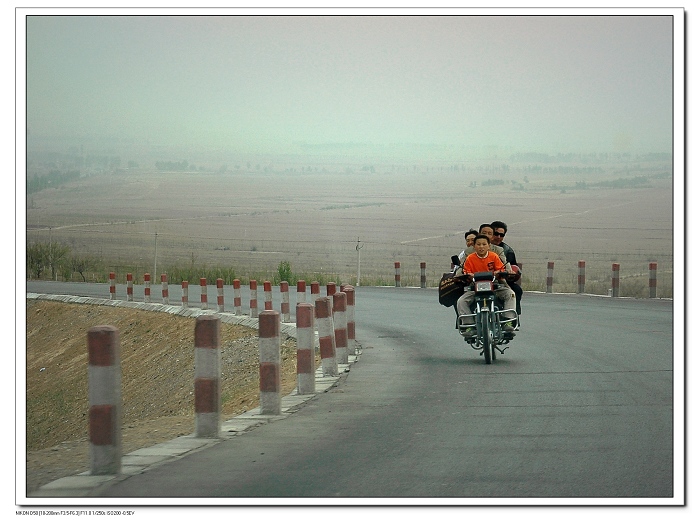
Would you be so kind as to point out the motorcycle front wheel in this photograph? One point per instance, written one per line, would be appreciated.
(486, 340)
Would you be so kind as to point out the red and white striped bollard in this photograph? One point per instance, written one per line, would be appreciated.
(254, 299)
(104, 400)
(652, 279)
(550, 276)
(350, 314)
(301, 291)
(615, 279)
(284, 306)
(267, 291)
(204, 298)
(185, 294)
(340, 324)
(207, 376)
(237, 296)
(129, 287)
(270, 360)
(306, 380)
(581, 276)
(326, 336)
(147, 287)
(164, 288)
(112, 286)
(220, 295)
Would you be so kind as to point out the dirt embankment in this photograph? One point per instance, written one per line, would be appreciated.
(157, 359)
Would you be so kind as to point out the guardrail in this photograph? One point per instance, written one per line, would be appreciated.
(614, 290)
(335, 341)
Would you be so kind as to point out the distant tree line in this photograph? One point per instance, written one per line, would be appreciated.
(55, 258)
(630, 182)
(54, 179)
(571, 157)
(561, 169)
(172, 166)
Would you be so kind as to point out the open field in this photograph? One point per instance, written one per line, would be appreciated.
(313, 216)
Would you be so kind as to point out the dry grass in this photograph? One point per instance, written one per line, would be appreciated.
(253, 220)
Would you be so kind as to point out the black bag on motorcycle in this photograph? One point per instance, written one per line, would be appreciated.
(450, 289)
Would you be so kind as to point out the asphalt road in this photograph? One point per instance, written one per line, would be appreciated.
(579, 407)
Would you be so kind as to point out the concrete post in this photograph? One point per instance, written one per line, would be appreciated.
(550, 276)
(270, 359)
(652, 279)
(284, 306)
(220, 295)
(306, 380)
(112, 286)
(204, 298)
(147, 287)
(185, 294)
(164, 287)
(340, 327)
(267, 289)
(615, 279)
(254, 299)
(207, 377)
(129, 287)
(104, 400)
(237, 296)
(301, 291)
(581, 276)
(315, 292)
(350, 313)
(326, 336)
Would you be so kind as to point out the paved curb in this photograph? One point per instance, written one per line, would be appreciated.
(287, 328)
(139, 461)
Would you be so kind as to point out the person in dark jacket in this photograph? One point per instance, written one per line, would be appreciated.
(499, 232)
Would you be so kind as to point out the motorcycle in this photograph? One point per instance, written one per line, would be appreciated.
(488, 317)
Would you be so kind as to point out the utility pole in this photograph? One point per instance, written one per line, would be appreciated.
(155, 258)
(358, 248)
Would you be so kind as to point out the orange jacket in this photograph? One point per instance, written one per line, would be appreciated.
(475, 264)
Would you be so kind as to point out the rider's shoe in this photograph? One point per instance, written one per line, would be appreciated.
(470, 332)
(508, 326)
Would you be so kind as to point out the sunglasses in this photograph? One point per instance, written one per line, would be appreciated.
(498, 234)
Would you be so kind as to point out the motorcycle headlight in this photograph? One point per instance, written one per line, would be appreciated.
(483, 285)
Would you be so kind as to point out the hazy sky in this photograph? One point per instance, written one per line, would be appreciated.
(274, 83)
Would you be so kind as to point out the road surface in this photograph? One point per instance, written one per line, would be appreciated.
(580, 406)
